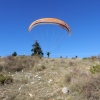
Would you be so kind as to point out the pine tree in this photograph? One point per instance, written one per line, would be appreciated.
(37, 49)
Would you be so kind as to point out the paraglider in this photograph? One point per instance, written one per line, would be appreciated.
(44, 37)
(50, 20)
(48, 54)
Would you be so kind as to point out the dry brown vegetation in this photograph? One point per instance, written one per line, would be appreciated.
(43, 79)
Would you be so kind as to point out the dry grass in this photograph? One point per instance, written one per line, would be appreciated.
(43, 79)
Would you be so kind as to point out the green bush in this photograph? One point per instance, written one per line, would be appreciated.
(1, 68)
(5, 79)
(95, 69)
(85, 58)
(14, 54)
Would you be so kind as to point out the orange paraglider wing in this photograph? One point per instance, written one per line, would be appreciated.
(50, 20)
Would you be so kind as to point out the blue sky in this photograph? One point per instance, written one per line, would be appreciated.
(83, 17)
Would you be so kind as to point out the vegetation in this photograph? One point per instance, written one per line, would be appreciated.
(95, 69)
(93, 58)
(29, 77)
(5, 79)
(13, 64)
(37, 49)
(14, 54)
(99, 57)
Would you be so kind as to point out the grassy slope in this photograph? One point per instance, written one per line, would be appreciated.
(43, 79)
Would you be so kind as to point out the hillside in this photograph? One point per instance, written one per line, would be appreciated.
(49, 79)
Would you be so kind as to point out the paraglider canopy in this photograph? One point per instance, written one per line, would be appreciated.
(50, 20)
(49, 39)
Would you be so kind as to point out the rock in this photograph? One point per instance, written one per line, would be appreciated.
(65, 90)
(50, 81)
(30, 95)
(32, 82)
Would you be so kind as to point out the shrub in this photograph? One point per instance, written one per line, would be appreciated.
(71, 63)
(85, 58)
(93, 58)
(61, 57)
(99, 57)
(76, 56)
(91, 89)
(39, 68)
(95, 69)
(18, 63)
(9, 58)
(67, 78)
(5, 79)
(14, 54)
(1, 68)
(17, 68)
